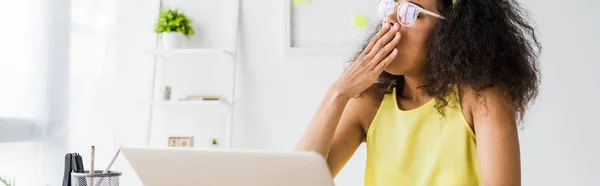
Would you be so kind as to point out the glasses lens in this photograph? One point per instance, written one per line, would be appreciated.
(385, 8)
(407, 13)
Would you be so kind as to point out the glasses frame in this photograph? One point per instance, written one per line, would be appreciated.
(419, 10)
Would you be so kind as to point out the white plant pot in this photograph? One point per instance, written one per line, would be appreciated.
(171, 40)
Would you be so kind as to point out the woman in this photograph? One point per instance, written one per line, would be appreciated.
(436, 94)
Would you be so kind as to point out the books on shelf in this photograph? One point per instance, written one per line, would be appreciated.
(201, 97)
(193, 100)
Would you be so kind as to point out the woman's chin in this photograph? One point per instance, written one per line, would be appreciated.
(397, 68)
(393, 71)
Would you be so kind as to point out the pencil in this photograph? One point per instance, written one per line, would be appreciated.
(92, 166)
(113, 160)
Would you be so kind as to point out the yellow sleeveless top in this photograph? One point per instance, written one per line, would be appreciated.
(420, 147)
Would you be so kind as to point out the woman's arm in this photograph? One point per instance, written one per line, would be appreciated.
(336, 138)
(497, 140)
(319, 133)
(323, 135)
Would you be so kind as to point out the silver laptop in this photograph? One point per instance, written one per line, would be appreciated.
(210, 167)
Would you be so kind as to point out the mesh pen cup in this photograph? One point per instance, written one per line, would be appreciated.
(97, 179)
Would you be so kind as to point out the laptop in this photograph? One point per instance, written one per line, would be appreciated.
(221, 167)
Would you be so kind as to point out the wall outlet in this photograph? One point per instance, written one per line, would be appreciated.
(181, 141)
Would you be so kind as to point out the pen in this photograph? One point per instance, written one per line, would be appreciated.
(92, 166)
(113, 160)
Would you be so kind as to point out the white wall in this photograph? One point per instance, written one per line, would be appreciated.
(560, 144)
(135, 21)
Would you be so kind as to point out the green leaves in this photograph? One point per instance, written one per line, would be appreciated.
(172, 20)
(5, 182)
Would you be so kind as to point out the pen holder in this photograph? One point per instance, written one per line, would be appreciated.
(97, 179)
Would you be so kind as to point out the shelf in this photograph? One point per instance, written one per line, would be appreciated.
(190, 51)
(188, 102)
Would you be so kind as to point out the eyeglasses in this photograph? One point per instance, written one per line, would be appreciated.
(407, 12)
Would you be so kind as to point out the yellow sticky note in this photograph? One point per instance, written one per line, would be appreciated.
(360, 21)
(300, 1)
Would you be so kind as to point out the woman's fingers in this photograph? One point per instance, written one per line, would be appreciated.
(385, 39)
(386, 61)
(380, 51)
(384, 29)
(385, 51)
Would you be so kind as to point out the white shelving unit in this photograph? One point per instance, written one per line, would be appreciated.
(223, 55)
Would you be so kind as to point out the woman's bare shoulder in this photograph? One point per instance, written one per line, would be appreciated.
(467, 102)
(364, 108)
(473, 101)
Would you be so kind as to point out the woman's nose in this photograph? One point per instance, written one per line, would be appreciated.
(392, 18)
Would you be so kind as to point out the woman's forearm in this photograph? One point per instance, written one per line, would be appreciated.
(359, 76)
(321, 129)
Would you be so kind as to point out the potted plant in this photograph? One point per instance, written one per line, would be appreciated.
(173, 25)
(7, 182)
(214, 143)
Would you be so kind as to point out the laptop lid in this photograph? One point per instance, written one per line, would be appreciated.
(212, 167)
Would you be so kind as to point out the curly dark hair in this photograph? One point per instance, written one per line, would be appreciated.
(481, 44)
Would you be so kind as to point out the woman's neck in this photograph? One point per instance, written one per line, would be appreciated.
(414, 89)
